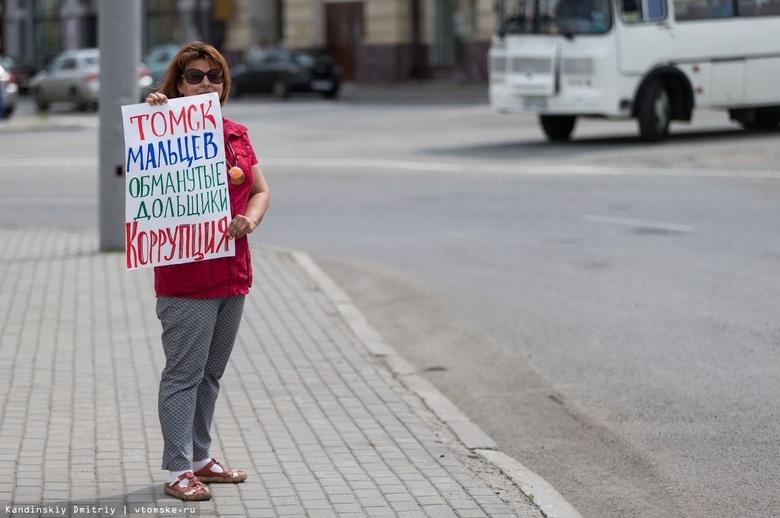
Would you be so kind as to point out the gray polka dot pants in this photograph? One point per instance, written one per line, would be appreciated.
(198, 336)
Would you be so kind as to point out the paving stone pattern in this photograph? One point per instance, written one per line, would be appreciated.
(304, 409)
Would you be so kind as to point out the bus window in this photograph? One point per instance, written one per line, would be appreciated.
(656, 10)
(722, 9)
(581, 16)
(567, 17)
(634, 10)
(631, 10)
(703, 10)
(515, 18)
(758, 8)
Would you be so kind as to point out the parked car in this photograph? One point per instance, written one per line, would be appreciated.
(22, 71)
(74, 76)
(283, 71)
(9, 91)
(157, 60)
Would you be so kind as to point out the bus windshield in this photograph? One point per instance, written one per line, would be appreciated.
(566, 17)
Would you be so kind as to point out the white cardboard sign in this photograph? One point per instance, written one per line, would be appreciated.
(177, 206)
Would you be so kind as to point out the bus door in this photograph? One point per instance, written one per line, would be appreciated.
(645, 38)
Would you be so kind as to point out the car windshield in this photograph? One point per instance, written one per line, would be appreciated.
(322, 56)
(304, 59)
(566, 17)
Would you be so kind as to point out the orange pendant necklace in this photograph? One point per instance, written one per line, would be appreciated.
(235, 172)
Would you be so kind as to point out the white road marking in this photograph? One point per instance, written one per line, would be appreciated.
(49, 162)
(523, 169)
(7, 164)
(47, 201)
(638, 223)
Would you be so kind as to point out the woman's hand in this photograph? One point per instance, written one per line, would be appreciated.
(259, 199)
(241, 226)
(157, 98)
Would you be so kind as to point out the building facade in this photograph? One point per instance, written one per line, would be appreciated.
(372, 40)
(396, 40)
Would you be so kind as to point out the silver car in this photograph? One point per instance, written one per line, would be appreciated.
(74, 76)
(9, 91)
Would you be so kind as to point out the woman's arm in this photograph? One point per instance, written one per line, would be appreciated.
(259, 198)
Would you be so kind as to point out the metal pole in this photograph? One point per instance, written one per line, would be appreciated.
(119, 39)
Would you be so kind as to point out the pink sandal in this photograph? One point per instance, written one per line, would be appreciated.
(194, 490)
(228, 477)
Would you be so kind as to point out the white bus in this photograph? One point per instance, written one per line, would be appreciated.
(651, 60)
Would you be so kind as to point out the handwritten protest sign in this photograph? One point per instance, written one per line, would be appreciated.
(177, 203)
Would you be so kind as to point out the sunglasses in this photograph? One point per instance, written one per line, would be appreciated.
(195, 76)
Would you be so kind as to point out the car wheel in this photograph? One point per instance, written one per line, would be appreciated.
(280, 89)
(7, 111)
(80, 104)
(331, 94)
(40, 100)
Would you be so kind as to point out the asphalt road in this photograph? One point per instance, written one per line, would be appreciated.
(605, 309)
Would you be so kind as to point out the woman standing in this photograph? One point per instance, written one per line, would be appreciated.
(200, 304)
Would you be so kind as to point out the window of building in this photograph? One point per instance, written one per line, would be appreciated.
(161, 21)
(47, 33)
(455, 26)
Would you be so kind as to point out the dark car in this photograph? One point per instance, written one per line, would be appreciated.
(283, 71)
(22, 71)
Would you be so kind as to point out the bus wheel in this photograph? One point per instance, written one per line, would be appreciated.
(557, 128)
(766, 120)
(654, 111)
(757, 119)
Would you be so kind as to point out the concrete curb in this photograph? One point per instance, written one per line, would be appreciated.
(540, 492)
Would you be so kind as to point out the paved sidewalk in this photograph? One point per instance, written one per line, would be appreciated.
(321, 424)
